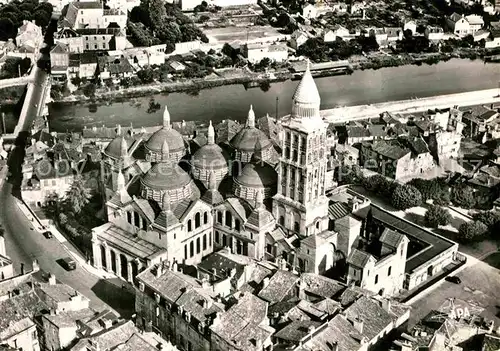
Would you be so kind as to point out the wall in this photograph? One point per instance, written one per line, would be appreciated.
(25, 340)
(57, 338)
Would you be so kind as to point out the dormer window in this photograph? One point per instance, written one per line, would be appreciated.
(201, 327)
(187, 316)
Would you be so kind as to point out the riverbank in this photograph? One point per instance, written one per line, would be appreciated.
(249, 79)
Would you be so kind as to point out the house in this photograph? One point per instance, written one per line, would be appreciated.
(114, 68)
(147, 56)
(309, 11)
(124, 5)
(83, 65)
(6, 267)
(459, 25)
(397, 159)
(298, 38)
(71, 38)
(338, 31)
(256, 52)
(92, 15)
(434, 33)
(478, 120)
(393, 34)
(29, 35)
(379, 34)
(59, 62)
(411, 26)
(494, 40)
(476, 23)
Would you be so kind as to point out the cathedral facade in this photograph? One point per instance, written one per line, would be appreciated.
(165, 204)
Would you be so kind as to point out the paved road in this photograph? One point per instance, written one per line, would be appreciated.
(341, 114)
(14, 82)
(23, 245)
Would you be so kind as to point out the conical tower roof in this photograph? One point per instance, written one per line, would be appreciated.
(306, 99)
(307, 91)
(166, 218)
(212, 196)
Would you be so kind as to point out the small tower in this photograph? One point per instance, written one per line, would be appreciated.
(212, 196)
(251, 118)
(165, 151)
(210, 134)
(166, 119)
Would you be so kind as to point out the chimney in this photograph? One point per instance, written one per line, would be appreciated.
(175, 266)
(358, 325)
(105, 323)
(205, 284)
(310, 329)
(214, 272)
(158, 271)
(52, 279)
(22, 268)
(386, 305)
(353, 203)
(265, 282)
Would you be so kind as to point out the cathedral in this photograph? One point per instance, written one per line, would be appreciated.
(164, 203)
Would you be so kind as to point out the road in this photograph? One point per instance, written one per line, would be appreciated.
(24, 244)
(342, 114)
(14, 82)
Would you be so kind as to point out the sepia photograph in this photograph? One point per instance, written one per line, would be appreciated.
(249, 175)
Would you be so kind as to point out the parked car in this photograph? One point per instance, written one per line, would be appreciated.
(47, 234)
(69, 263)
(453, 279)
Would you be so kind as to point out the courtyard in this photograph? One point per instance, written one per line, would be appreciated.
(480, 285)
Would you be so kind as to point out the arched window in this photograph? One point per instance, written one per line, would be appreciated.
(229, 219)
(376, 279)
(296, 226)
(219, 217)
(205, 218)
(191, 249)
(129, 217)
(282, 220)
(197, 220)
(287, 152)
(204, 242)
(198, 246)
(137, 220)
(190, 227)
(237, 224)
(287, 136)
(217, 238)
(317, 225)
(224, 240)
(295, 155)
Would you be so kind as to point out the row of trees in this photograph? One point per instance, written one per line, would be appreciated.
(319, 51)
(15, 12)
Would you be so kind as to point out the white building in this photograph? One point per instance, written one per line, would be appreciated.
(29, 35)
(256, 52)
(91, 14)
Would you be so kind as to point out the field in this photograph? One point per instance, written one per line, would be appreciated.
(242, 34)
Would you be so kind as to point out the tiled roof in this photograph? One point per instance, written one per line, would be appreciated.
(136, 246)
(108, 338)
(358, 258)
(69, 318)
(279, 286)
(374, 317)
(223, 262)
(198, 304)
(320, 286)
(389, 149)
(243, 324)
(329, 306)
(338, 210)
(226, 130)
(58, 292)
(260, 217)
(339, 332)
(391, 238)
(296, 330)
(240, 206)
(353, 293)
(171, 285)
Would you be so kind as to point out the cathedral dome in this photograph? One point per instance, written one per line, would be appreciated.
(259, 175)
(117, 148)
(209, 158)
(173, 138)
(155, 146)
(246, 140)
(166, 176)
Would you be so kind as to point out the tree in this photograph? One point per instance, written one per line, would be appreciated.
(432, 189)
(463, 196)
(471, 231)
(139, 14)
(406, 196)
(77, 196)
(378, 184)
(15, 65)
(436, 216)
(490, 218)
(89, 89)
(146, 75)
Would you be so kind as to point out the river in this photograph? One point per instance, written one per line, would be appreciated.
(362, 87)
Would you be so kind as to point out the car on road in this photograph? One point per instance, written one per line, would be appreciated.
(68, 263)
(453, 279)
(47, 234)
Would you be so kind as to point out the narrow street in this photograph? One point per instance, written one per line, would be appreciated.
(24, 244)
